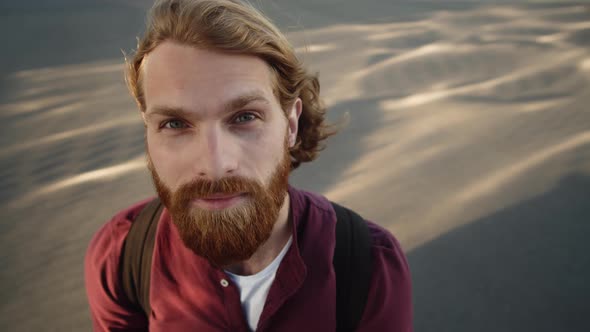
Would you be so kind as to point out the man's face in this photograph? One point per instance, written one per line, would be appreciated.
(217, 142)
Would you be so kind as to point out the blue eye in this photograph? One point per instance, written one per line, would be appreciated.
(244, 117)
(174, 124)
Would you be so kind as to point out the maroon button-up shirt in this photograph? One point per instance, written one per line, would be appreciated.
(187, 293)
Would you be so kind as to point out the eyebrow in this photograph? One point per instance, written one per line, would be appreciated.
(233, 104)
(245, 99)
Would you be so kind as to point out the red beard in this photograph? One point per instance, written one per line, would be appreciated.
(228, 235)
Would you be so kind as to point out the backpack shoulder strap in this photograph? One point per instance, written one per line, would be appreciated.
(136, 256)
(352, 264)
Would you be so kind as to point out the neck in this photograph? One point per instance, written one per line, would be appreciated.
(270, 249)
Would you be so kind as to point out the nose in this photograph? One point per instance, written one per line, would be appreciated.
(215, 155)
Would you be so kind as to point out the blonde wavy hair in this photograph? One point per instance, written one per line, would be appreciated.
(234, 26)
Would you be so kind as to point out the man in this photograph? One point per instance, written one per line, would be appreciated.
(229, 111)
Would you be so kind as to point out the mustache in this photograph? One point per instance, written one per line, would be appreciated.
(232, 185)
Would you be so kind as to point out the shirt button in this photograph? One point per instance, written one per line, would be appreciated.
(224, 283)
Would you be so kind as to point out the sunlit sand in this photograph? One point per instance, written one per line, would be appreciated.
(451, 117)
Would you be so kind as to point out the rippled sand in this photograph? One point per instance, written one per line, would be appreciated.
(468, 136)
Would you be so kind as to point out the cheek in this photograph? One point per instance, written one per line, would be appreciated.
(165, 161)
(267, 153)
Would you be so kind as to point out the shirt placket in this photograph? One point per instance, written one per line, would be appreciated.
(233, 307)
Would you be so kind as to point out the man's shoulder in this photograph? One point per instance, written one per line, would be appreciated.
(109, 237)
(389, 305)
(129, 213)
(303, 199)
(106, 298)
(382, 238)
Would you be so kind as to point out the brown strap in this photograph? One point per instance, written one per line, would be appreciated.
(136, 256)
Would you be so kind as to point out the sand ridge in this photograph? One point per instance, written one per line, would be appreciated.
(459, 119)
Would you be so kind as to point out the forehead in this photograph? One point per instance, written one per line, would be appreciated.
(188, 76)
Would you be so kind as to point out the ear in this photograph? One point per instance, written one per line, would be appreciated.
(293, 121)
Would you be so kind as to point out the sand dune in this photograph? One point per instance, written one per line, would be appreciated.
(458, 118)
(476, 72)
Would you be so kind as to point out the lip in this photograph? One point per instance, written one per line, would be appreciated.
(218, 201)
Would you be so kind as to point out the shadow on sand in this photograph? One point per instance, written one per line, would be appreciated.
(525, 268)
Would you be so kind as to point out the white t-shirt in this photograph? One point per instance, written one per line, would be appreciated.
(254, 288)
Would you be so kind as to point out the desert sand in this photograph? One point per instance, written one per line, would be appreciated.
(467, 136)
